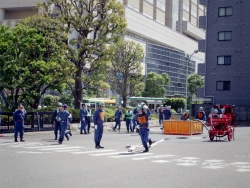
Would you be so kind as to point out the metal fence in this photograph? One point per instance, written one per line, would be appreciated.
(34, 121)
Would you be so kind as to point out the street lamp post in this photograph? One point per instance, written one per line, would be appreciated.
(195, 52)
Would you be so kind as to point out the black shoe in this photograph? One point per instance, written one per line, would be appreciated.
(67, 138)
(150, 142)
(15, 140)
(22, 140)
(60, 141)
(70, 133)
(55, 137)
(97, 145)
(81, 132)
(85, 133)
(100, 146)
(89, 132)
(146, 150)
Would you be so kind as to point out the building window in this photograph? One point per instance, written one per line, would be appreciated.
(194, 14)
(223, 85)
(185, 7)
(225, 35)
(150, 1)
(194, 1)
(160, 5)
(224, 60)
(225, 11)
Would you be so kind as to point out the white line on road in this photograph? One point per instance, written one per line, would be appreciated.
(150, 157)
(60, 148)
(45, 146)
(69, 150)
(130, 155)
(94, 151)
(161, 161)
(113, 153)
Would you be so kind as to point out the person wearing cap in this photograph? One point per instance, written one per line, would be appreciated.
(161, 110)
(135, 112)
(216, 114)
(118, 118)
(19, 122)
(98, 125)
(167, 113)
(201, 115)
(128, 118)
(83, 118)
(64, 116)
(56, 122)
(142, 121)
(88, 117)
(68, 130)
(185, 115)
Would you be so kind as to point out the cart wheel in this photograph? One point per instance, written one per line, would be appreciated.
(230, 135)
(211, 136)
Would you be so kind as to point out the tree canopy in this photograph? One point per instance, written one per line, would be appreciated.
(195, 81)
(92, 25)
(155, 85)
(125, 74)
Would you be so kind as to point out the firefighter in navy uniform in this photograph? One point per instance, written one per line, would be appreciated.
(142, 120)
(56, 122)
(68, 130)
(160, 111)
(64, 120)
(19, 122)
(98, 125)
(118, 118)
(83, 119)
(201, 115)
(88, 117)
(185, 115)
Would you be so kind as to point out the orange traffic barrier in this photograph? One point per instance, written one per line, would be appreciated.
(182, 127)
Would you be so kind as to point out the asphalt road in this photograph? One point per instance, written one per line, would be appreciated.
(174, 161)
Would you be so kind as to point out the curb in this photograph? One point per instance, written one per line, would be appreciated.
(5, 135)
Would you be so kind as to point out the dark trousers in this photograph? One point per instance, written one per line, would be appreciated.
(19, 128)
(98, 133)
(144, 134)
(57, 128)
(160, 119)
(88, 122)
(117, 123)
(63, 129)
(129, 125)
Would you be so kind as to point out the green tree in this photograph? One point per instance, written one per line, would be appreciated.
(175, 103)
(93, 25)
(155, 85)
(195, 81)
(125, 73)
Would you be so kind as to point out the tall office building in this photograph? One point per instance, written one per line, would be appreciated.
(166, 29)
(227, 48)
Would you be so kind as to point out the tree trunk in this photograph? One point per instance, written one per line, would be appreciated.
(124, 105)
(4, 98)
(78, 89)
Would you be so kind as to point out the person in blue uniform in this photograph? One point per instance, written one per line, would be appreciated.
(185, 115)
(201, 115)
(98, 125)
(160, 111)
(19, 122)
(135, 112)
(118, 118)
(167, 113)
(129, 117)
(83, 118)
(88, 117)
(68, 130)
(56, 122)
(64, 120)
(216, 114)
(142, 120)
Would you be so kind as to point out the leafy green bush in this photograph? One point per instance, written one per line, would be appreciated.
(66, 99)
(51, 100)
(175, 103)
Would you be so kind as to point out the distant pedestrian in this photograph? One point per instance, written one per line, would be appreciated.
(88, 117)
(68, 129)
(64, 120)
(56, 121)
(160, 111)
(118, 118)
(129, 117)
(98, 125)
(19, 122)
(83, 118)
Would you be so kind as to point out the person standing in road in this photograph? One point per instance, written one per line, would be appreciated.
(167, 113)
(56, 122)
(128, 117)
(83, 118)
(142, 120)
(89, 114)
(68, 129)
(201, 115)
(64, 120)
(98, 125)
(118, 119)
(161, 114)
(19, 122)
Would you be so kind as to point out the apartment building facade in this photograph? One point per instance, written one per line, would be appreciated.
(166, 29)
(227, 48)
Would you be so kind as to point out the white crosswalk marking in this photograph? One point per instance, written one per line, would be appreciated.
(68, 150)
(129, 155)
(151, 157)
(45, 146)
(94, 151)
(103, 154)
(59, 148)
